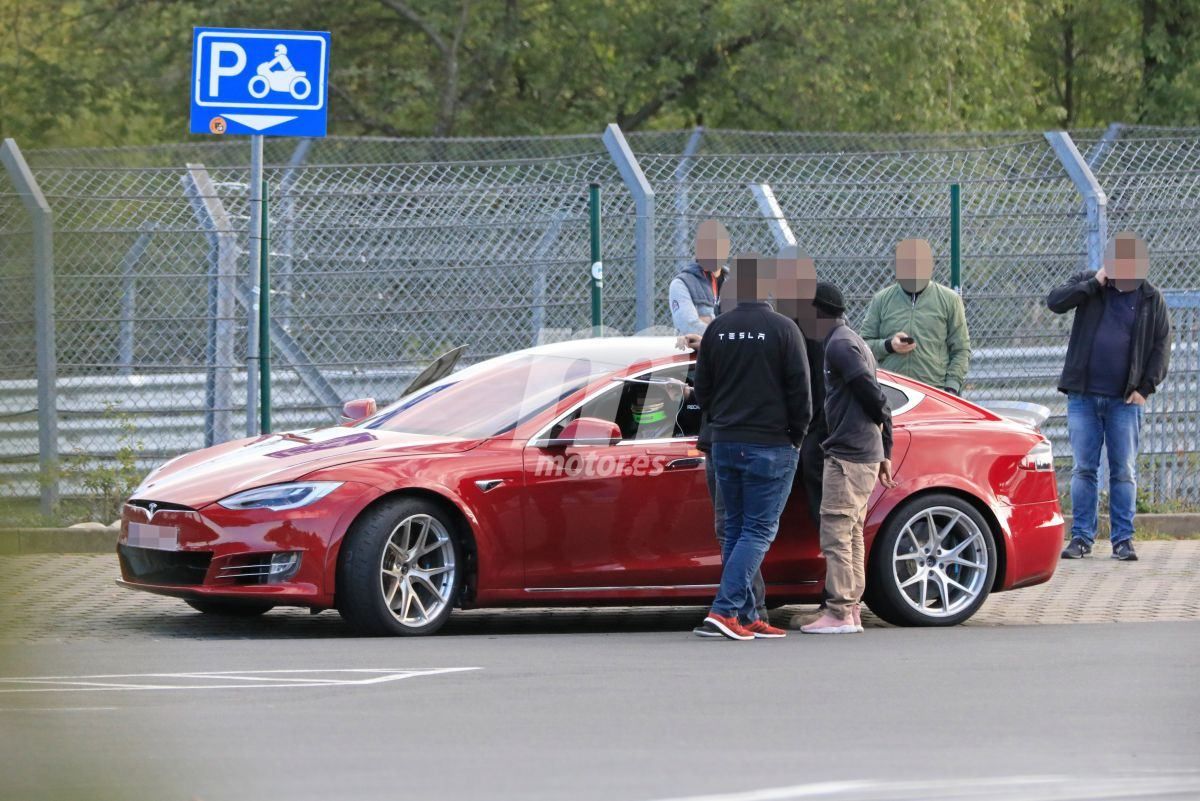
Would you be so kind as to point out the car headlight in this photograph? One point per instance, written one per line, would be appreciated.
(281, 497)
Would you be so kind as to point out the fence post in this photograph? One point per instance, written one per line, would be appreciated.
(596, 270)
(956, 238)
(683, 233)
(287, 204)
(541, 250)
(43, 319)
(222, 305)
(768, 207)
(1094, 200)
(643, 235)
(1111, 134)
(253, 270)
(125, 332)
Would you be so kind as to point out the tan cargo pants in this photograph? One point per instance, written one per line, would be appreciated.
(845, 489)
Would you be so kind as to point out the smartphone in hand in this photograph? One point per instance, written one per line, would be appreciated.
(908, 340)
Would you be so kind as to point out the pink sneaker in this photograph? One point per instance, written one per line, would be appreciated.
(856, 616)
(828, 624)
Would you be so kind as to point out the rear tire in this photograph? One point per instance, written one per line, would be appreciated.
(225, 608)
(400, 570)
(932, 564)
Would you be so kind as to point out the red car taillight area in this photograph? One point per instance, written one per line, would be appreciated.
(1040, 457)
(1026, 477)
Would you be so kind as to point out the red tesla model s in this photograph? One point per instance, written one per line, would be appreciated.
(567, 474)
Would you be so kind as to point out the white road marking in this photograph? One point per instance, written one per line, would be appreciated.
(220, 679)
(1011, 788)
(59, 708)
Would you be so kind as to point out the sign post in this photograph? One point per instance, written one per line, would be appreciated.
(258, 290)
(261, 83)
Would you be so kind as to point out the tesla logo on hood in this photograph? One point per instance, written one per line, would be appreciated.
(151, 509)
(329, 444)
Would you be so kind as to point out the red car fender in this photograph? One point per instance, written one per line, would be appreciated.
(996, 513)
(497, 565)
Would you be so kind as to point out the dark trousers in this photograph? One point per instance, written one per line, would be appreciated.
(812, 467)
(757, 586)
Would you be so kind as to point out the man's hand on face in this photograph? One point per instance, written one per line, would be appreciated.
(1102, 276)
(1136, 398)
(902, 347)
(885, 473)
(688, 342)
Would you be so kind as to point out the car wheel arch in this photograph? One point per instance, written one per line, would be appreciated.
(465, 530)
(976, 502)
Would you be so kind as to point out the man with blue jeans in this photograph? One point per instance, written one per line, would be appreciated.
(1117, 356)
(752, 379)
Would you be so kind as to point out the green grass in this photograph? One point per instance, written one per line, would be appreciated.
(26, 513)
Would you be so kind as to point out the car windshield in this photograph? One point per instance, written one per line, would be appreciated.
(490, 398)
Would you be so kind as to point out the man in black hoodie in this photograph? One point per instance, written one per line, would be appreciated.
(752, 379)
(858, 453)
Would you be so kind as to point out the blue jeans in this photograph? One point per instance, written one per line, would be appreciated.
(755, 481)
(1095, 421)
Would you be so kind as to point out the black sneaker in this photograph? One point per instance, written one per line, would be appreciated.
(1077, 549)
(707, 629)
(1123, 551)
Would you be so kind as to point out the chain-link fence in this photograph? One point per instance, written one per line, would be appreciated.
(386, 252)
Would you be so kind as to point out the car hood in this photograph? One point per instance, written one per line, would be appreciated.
(201, 477)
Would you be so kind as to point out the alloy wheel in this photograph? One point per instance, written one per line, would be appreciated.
(417, 570)
(940, 561)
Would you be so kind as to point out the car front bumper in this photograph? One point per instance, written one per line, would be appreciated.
(214, 552)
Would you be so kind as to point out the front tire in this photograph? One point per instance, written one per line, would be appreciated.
(933, 563)
(225, 608)
(400, 570)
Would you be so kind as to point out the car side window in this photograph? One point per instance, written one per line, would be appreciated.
(643, 408)
(896, 398)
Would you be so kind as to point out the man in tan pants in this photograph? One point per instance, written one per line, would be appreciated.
(857, 453)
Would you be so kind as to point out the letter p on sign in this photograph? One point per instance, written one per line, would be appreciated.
(220, 68)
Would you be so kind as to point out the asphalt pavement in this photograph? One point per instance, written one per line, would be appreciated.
(620, 716)
(589, 705)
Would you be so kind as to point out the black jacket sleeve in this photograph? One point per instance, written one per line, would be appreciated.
(1071, 294)
(796, 388)
(1160, 351)
(868, 394)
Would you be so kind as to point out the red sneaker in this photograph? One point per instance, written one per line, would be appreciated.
(729, 626)
(765, 631)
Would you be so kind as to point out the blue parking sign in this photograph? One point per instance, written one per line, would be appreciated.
(274, 83)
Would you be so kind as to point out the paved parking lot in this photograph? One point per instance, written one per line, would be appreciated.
(64, 597)
(111, 694)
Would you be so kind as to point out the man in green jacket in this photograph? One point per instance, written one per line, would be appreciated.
(917, 327)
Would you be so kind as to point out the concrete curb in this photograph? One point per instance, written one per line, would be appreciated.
(1179, 526)
(15, 541)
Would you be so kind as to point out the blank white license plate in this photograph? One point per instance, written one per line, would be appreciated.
(160, 538)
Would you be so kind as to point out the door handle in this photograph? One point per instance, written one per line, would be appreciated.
(686, 463)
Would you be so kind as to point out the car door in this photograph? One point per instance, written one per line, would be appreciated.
(631, 513)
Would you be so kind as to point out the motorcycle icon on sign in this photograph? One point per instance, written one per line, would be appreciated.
(284, 79)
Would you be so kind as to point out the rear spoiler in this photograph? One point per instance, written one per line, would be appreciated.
(1027, 414)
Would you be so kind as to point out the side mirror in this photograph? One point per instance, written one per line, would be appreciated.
(355, 410)
(584, 431)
